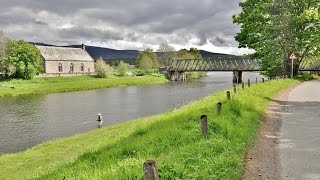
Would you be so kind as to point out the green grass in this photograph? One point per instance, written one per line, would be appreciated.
(43, 85)
(172, 138)
(306, 77)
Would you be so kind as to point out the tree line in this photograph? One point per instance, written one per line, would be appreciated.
(148, 60)
(20, 59)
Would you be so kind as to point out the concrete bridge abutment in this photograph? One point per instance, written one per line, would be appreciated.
(178, 76)
(237, 77)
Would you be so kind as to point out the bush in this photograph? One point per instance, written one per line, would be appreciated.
(151, 71)
(147, 60)
(195, 75)
(122, 68)
(157, 75)
(102, 69)
(306, 77)
(139, 72)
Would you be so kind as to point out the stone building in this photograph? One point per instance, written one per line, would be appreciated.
(64, 60)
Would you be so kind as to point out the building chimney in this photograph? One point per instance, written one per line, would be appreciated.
(83, 46)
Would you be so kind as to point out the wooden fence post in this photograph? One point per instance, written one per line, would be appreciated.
(234, 88)
(150, 170)
(249, 83)
(219, 106)
(228, 95)
(204, 125)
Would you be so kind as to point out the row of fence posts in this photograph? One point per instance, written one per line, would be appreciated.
(204, 118)
(150, 166)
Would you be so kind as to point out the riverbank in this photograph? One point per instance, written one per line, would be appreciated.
(45, 85)
(262, 161)
(172, 138)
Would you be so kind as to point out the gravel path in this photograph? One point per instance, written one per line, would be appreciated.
(288, 144)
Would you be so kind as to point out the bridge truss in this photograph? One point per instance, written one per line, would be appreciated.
(214, 64)
(227, 64)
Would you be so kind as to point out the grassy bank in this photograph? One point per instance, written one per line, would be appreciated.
(195, 75)
(44, 85)
(172, 138)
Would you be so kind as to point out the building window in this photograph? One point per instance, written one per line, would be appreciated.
(60, 67)
(82, 67)
(71, 67)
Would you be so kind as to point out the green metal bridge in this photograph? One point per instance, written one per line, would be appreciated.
(236, 64)
(217, 64)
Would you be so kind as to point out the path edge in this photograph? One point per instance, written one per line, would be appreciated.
(262, 159)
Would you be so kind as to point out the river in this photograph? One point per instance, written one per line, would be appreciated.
(29, 120)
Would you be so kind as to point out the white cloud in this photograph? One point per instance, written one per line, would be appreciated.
(125, 24)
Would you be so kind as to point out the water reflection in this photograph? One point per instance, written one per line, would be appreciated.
(29, 120)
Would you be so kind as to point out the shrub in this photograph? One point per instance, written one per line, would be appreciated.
(147, 59)
(195, 75)
(103, 69)
(122, 68)
(139, 72)
(306, 77)
(150, 71)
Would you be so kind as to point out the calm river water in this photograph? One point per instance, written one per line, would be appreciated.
(29, 120)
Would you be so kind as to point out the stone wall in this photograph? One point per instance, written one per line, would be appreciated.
(52, 67)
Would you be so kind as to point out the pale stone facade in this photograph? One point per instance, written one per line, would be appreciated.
(52, 67)
(60, 60)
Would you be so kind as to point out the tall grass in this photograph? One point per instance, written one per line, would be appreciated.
(43, 85)
(172, 138)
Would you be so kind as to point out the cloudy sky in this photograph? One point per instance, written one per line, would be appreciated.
(124, 24)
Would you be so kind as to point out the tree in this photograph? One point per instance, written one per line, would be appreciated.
(277, 28)
(102, 69)
(147, 60)
(165, 54)
(25, 58)
(5, 67)
(193, 53)
(122, 68)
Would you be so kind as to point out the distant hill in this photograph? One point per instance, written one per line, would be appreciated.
(107, 53)
(207, 54)
(128, 56)
(112, 54)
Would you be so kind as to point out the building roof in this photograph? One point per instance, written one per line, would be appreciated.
(51, 53)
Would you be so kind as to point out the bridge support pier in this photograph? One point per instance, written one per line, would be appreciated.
(237, 77)
(178, 76)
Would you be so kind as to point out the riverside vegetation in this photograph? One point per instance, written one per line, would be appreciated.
(173, 139)
(44, 85)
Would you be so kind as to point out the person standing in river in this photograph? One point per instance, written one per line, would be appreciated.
(100, 120)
